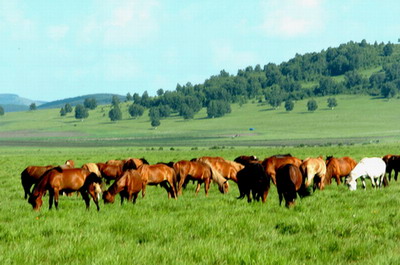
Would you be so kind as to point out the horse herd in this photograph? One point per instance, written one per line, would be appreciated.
(291, 175)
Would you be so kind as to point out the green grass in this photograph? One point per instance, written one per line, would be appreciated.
(356, 119)
(334, 226)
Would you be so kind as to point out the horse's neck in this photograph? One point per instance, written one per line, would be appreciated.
(40, 187)
(117, 186)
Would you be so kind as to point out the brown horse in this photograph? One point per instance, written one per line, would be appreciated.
(252, 180)
(58, 179)
(314, 169)
(32, 174)
(159, 174)
(289, 182)
(338, 168)
(129, 163)
(128, 186)
(244, 160)
(392, 163)
(199, 171)
(109, 172)
(272, 163)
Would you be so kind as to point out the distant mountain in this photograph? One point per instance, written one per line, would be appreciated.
(101, 99)
(13, 102)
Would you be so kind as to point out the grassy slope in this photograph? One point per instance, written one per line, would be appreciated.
(334, 226)
(355, 119)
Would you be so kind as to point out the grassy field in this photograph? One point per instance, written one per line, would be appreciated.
(334, 226)
(356, 119)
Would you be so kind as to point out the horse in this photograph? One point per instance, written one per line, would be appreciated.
(252, 180)
(129, 163)
(92, 167)
(244, 160)
(314, 169)
(228, 169)
(159, 174)
(128, 186)
(200, 172)
(58, 179)
(32, 174)
(272, 163)
(289, 183)
(392, 163)
(338, 168)
(109, 172)
(371, 167)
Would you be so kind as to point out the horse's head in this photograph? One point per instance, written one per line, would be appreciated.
(351, 183)
(36, 202)
(107, 197)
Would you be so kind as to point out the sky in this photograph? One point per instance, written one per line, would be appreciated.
(52, 50)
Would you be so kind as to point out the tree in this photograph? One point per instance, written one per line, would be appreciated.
(186, 112)
(63, 112)
(289, 105)
(81, 112)
(155, 123)
(1, 111)
(136, 110)
(115, 100)
(218, 108)
(68, 108)
(129, 97)
(32, 106)
(388, 90)
(388, 49)
(312, 105)
(115, 113)
(90, 103)
(332, 102)
(160, 92)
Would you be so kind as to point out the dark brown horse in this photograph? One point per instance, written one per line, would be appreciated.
(252, 180)
(392, 163)
(159, 174)
(244, 160)
(32, 174)
(109, 172)
(199, 171)
(57, 180)
(338, 168)
(128, 186)
(272, 163)
(289, 182)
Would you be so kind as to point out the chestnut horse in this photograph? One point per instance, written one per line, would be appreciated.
(32, 174)
(289, 182)
(314, 170)
(129, 163)
(338, 168)
(272, 163)
(158, 174)
(109, 172)
(128, 186)
(58, 179)
(252, 180)
(200, 172)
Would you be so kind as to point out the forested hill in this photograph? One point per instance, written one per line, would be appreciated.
(351, 68)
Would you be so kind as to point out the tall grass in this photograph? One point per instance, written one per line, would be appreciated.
(334, 226)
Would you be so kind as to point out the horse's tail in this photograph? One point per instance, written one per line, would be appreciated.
(174, 180)
(218, 178)
(26, 183)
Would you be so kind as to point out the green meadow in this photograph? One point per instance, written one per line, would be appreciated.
(333, 226)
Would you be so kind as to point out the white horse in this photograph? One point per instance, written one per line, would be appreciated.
(371, 167)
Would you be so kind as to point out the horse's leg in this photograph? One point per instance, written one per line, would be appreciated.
(56, 196)
(181, 183)
(173, 190)
(135, 195)
(51, 198)
(198, 188)
(144, 184)
(95, 199)
(396, 172)
(363, 183)
(86, 198)
(373, 183)
(280, 198)
(207, 185)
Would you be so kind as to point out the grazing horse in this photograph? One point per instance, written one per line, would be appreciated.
(289, 182)
(109, 172)
(58, 179)
(200, 172)
(338, 168)
(392, 163)
(272, 163)
(252, 180)
(244, 160)
(129, 163)
(128, 186)
(32, 174)
(371, 167)
(158, 174)
(314, 169)
(92, 167)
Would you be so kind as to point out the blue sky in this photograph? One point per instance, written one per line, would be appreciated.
(52, 50)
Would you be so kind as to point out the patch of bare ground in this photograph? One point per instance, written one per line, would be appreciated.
(38, 134)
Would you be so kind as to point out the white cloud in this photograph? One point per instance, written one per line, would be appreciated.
(225, 57)
(14, 21)
(120, 67)
(292, 18)
(119, 23)
(57, 32)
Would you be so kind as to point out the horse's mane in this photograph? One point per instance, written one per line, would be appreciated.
(282, 155)
(114, 188)
(236, 165)
(144, 161)
(40, 187)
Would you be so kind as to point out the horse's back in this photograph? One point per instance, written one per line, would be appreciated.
(373, 166)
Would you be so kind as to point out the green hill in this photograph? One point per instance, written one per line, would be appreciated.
(101, 99)
(356, 119)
